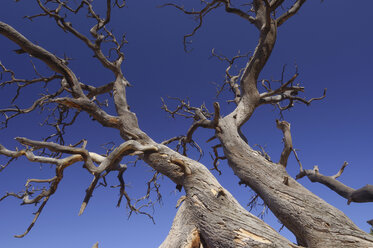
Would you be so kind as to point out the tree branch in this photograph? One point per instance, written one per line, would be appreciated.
(231, 80)
(79, 101)
(238, 12)
(286, 91)
(217, 158)
(88, 194)
(56, 64)
(364, 194)
(91, 108)
(248, 83)
(284, 126)
(100, 33)
(22, 83)
(275, 4)
(290, 12)
(198, 16)
(45, 194)
(95, 46)
(202, 118)
(184, 232)
(126, 148)
(109, 163)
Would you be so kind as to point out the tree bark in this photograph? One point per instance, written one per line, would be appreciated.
(363, 194)
(314, 222)
(209, 216)
(184, 232)
(211, 210)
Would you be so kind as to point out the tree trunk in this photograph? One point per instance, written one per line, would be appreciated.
(210, 213)
(184, 232)
(314, 222)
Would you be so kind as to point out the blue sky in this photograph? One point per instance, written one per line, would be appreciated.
(330, 42)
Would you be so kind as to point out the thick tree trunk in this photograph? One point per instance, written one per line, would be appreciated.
(184, 232)
(209, 216)
(209, 212)
(314, 222)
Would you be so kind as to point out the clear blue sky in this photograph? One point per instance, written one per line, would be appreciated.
(331, 42)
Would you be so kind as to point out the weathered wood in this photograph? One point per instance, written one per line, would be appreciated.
(220, 220)
(314, 222)
(210, 216)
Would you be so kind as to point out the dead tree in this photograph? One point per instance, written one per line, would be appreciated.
(209, 216)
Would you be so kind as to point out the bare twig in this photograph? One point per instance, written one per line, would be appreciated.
(37, 214)
(198, 15)
(231, 80)
(217, 157)
(152, 185)
(339, 173)
(108, 163)
(286, 91)
(202, 118)
(23, 83)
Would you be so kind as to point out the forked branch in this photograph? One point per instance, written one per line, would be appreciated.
(152, 186)
(364, 194)
(69, 83)
(290, 12)
(198, 16)
(244, 14)
(216, 158)
(231, 80)
(201, 116)
(182, 144)
(100, 34)
(286, 92)
(56, 64)
(42, 194)
(22, 83)
(108, 163)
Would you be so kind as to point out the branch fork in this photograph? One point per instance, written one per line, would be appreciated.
(363, 194)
